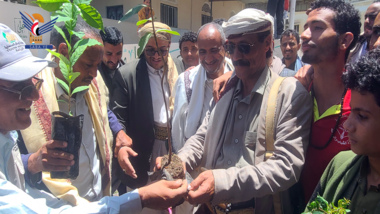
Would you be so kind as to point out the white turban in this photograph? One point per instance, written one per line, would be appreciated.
(148, 28)
(249, 20)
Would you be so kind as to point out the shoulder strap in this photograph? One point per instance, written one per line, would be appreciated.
(269, 133)
(270, 116)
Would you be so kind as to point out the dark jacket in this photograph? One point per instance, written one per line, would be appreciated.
(132, 104)
(108, 80)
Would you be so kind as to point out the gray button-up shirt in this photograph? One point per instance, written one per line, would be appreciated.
(243, 112)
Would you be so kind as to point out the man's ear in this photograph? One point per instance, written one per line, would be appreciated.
(62, 49)
(269, 43)
(345, 40)
(169, 44)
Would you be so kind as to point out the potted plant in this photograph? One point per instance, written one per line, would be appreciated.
(68, 127)
(172, 167)
(321, 206)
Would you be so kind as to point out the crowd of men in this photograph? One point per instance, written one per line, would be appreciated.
(257, 134)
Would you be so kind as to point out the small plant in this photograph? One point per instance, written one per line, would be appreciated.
(67, 127)
(67, 11)
(321, 206)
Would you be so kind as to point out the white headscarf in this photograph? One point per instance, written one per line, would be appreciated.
(247, 21)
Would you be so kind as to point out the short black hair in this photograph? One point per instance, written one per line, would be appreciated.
(364, 75)
(291, 32)
(81, 26)
(111, 35)
(187, 37)
(347, 18)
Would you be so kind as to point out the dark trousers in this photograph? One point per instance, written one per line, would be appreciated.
(276, 8)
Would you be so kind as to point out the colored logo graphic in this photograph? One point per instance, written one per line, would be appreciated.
(32, 24)
(10, 38)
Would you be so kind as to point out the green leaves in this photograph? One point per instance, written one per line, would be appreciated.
(63, 85)
(50, 5)
(132, 12)
(168, 31)
(80, 88)
(62, 17)
(91, 16)
(142, 43)
(80, 47)
(141, 22)
(82, 2)
(321, 206)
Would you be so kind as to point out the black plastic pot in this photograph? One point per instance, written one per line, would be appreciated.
(67, 128)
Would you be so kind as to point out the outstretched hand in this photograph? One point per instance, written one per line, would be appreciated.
(202, 188)
(49, 158)
(163, 194)
(122, 139)
(123, 158)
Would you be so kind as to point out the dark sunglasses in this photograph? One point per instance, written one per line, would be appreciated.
(152, 52)
(243, 48)
(27, 90)
(370, 16)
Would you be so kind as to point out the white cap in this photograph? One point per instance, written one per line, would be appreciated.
(16, 62)
(249, 20)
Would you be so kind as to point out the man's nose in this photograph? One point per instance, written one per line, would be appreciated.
(306, 34)
(93, 72)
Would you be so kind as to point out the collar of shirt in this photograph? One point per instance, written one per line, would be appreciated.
(291, 66)
(9, 137)
(363, 172)
(259, 87)
(7, 142)
(153, 70)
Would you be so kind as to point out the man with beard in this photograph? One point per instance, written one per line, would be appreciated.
(233, 138)
(362, 45)
(113, 50)
(193, 90)
(326, 43)
(375, 41)
(139, 103)
(189, 50)
(290, 44)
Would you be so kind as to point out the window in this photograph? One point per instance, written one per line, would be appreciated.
(206, 14)
(297, 28)
(206, 8)
(206, 19)
(169, 15)
(115, 12)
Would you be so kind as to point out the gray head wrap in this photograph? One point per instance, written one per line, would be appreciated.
(248, 21)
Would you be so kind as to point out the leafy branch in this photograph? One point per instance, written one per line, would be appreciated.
(321, 206)
(67, 11)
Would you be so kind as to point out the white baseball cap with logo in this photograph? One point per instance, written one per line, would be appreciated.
(16, 62)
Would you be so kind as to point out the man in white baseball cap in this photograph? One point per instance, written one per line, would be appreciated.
(18, 89)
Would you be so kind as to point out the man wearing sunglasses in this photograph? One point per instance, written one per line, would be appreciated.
(231, 141)
(193, 90)
(362, 45)
(142, 105)
(18, 90)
